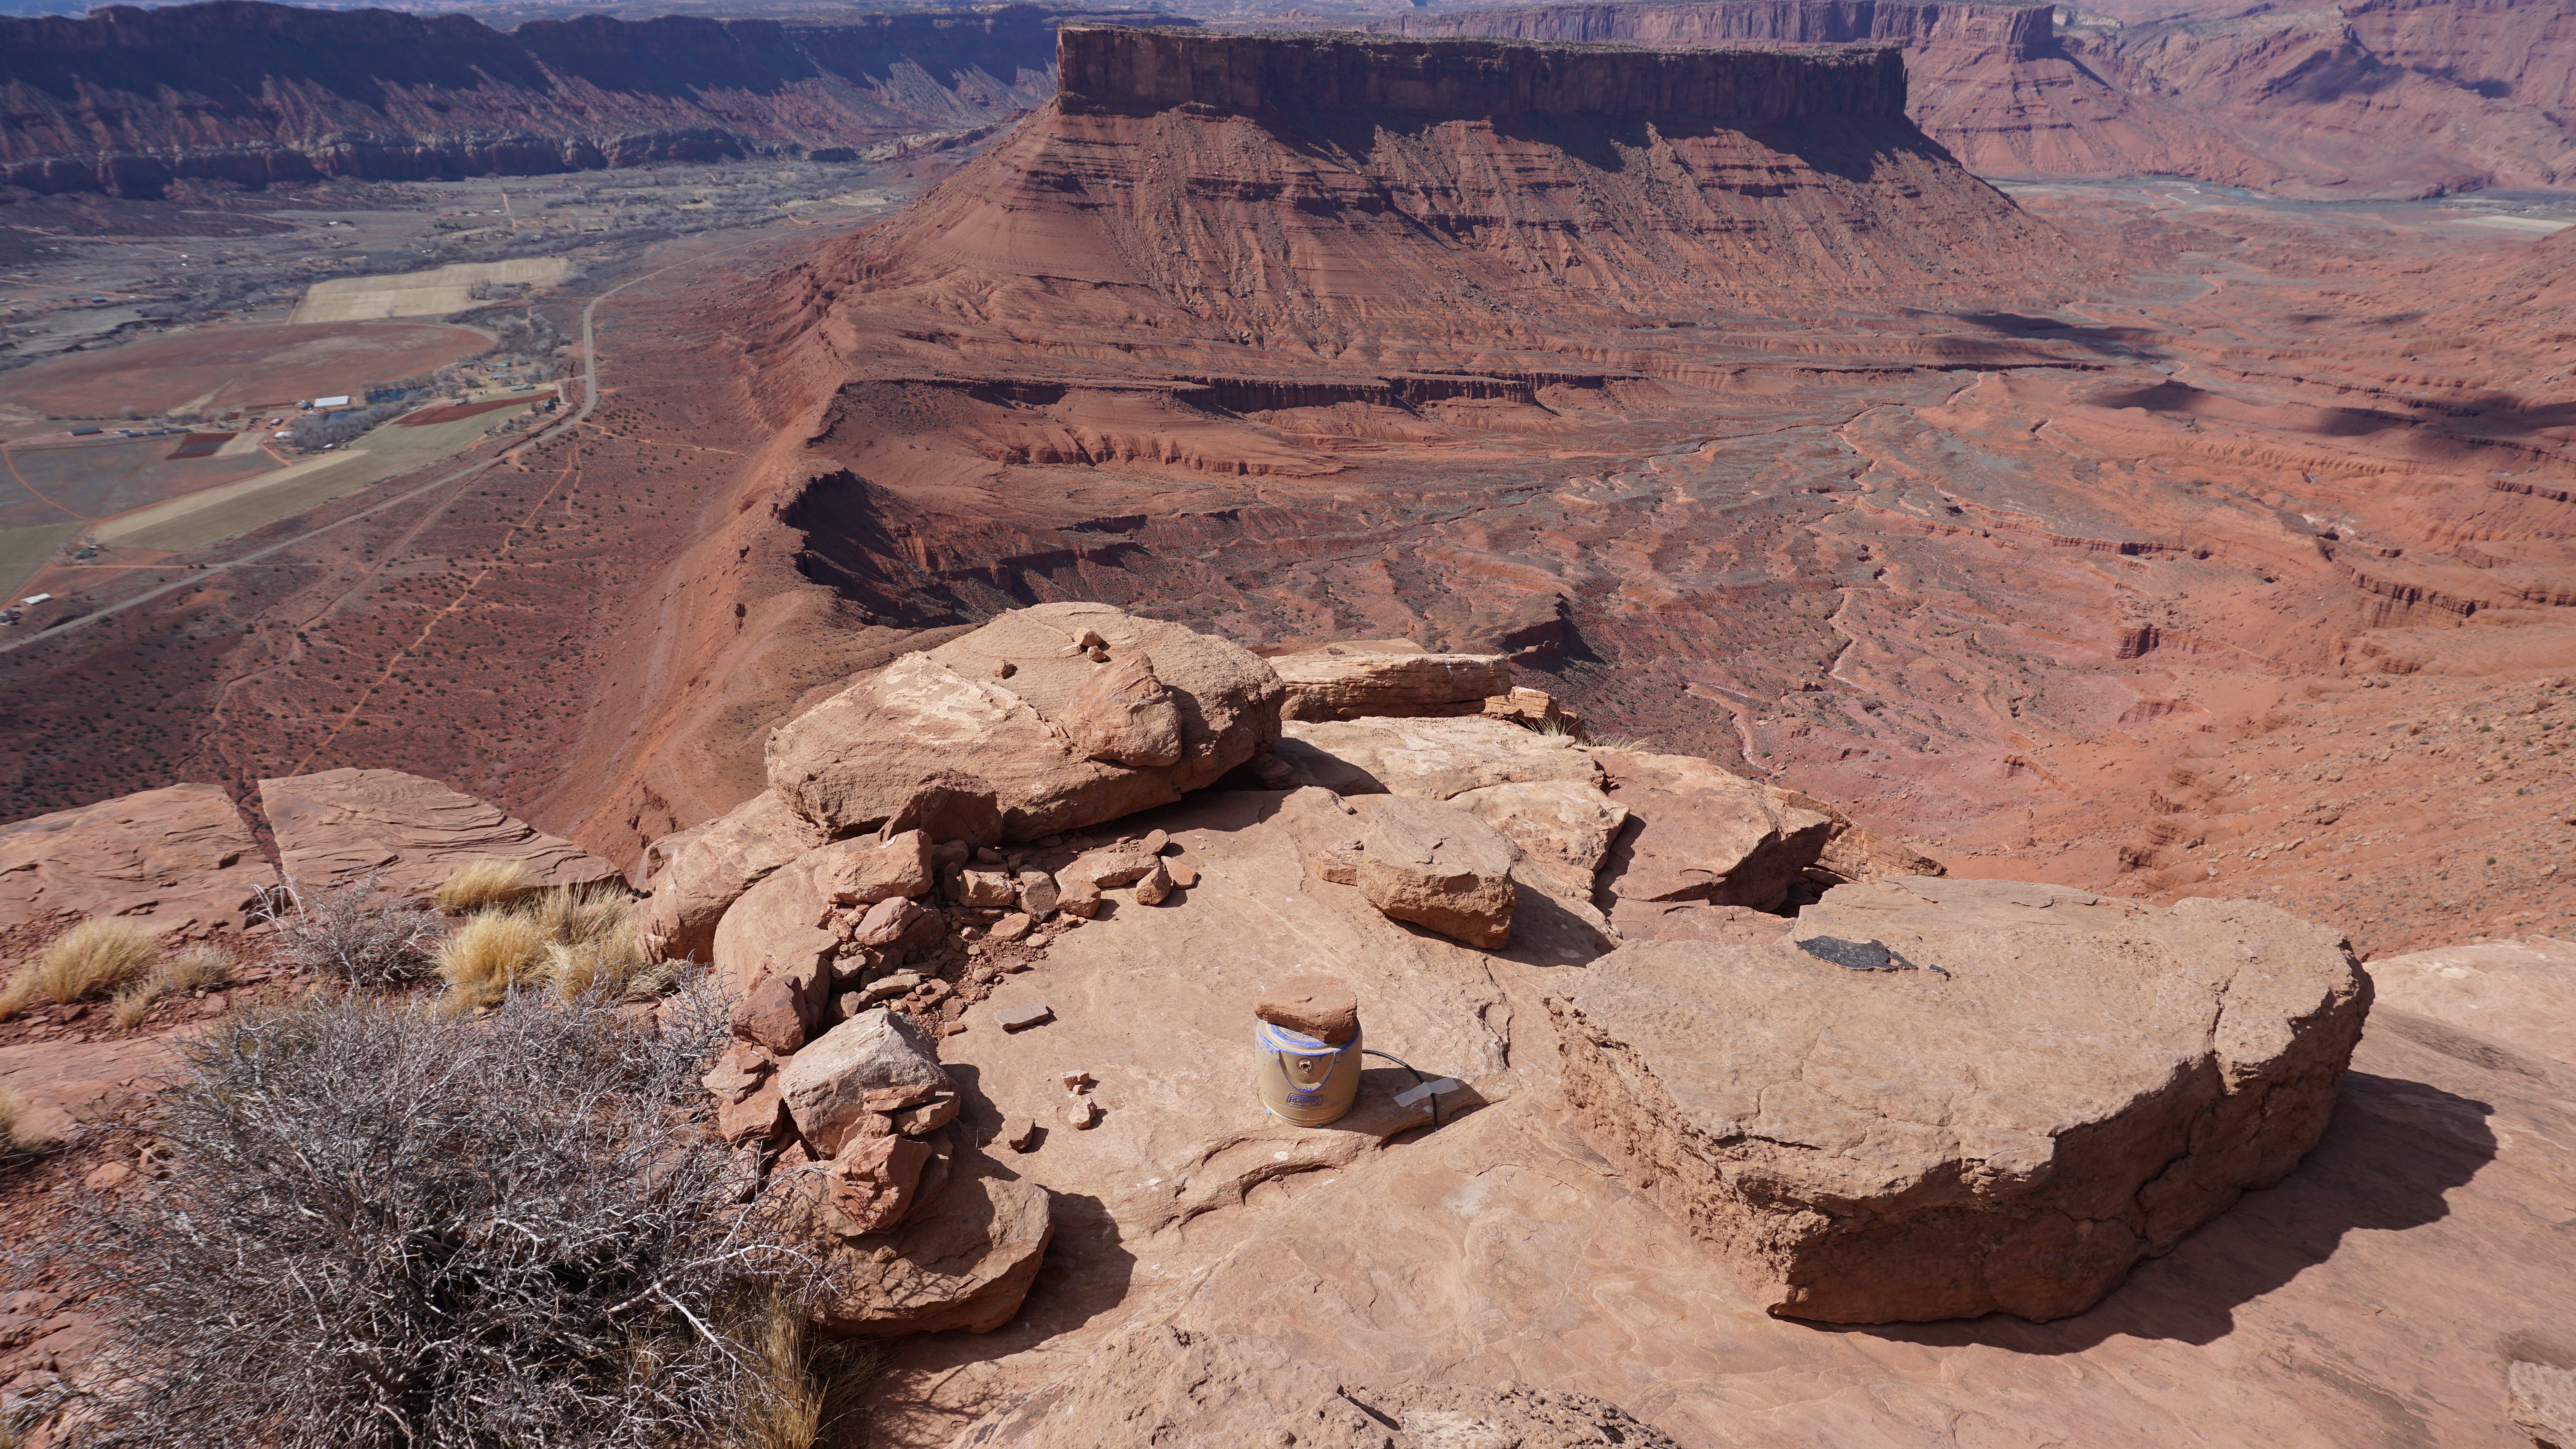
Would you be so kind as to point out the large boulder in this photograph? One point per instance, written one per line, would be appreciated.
(1014, 732)
(705, 869)
(1440, 868)
(1951, 1098)
(181, 857)
(341, 826)
(1386, 678)
(962, 1259)
(1698, 832)
(1429, 759)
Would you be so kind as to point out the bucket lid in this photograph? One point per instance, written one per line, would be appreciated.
(1275, 1037)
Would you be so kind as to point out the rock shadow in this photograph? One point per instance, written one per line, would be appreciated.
(2388, 1162)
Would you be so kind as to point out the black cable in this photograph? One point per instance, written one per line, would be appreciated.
(1417, 1079)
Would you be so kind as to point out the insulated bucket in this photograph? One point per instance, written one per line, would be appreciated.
(1306, 1081)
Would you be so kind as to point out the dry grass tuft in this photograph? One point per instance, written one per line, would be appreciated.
(479, 885)
(1624, 744)
(579, 942)
(488, 956)
(803, 1387)
(194, 968)
(93, 958)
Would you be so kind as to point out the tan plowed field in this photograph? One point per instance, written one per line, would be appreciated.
(242, 365)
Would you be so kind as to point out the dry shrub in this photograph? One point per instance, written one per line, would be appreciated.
(194, 968)
(354, 931)
(384, 1227)
(93, 958)
(485, 883)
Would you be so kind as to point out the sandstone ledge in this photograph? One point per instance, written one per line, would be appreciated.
(2089, 1082)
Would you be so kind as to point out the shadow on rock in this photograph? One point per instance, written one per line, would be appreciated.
(2387, 1162)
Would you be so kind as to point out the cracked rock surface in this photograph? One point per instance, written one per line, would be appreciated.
(2090, 1081)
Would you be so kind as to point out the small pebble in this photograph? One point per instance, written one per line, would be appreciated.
(1082, 1114)
(1075, 1081)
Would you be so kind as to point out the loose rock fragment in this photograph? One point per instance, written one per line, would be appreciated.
(826, 1085)
(1020, 1018)
(1312, 1004)
(1154, 887)
(1012, 927)
(1020, 1134)
(1082, 1115)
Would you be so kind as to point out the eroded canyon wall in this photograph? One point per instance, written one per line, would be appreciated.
(2384, 98)
(1123, 70)
(126, 100)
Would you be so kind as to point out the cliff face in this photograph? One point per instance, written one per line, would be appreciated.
(1316, 189)
(1112, 69)
(2381, 97)
(124, 100)
(2022, 31)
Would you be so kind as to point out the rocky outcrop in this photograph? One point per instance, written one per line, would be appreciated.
(1699, 833)
(862, 1069)
(1118, 70)
(1946, 1099)
(992, 736)
(1428, 759)
(2520, 992)
(1386, 678)
(181, 856)
(711, 865)
(1563, 827)
(342, 826)
(2020, 31)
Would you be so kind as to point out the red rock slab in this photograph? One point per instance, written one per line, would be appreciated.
(181, 856)
(344, 825)
(2359, 1302)
(62, 1085)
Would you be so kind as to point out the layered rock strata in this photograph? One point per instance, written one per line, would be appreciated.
(1350, 681)
(1103, 69)
(126, 100)
(409, 834)
(1946, 1099)
(181, 856)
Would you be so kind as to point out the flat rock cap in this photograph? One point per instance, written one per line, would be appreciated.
(1319, 1006)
